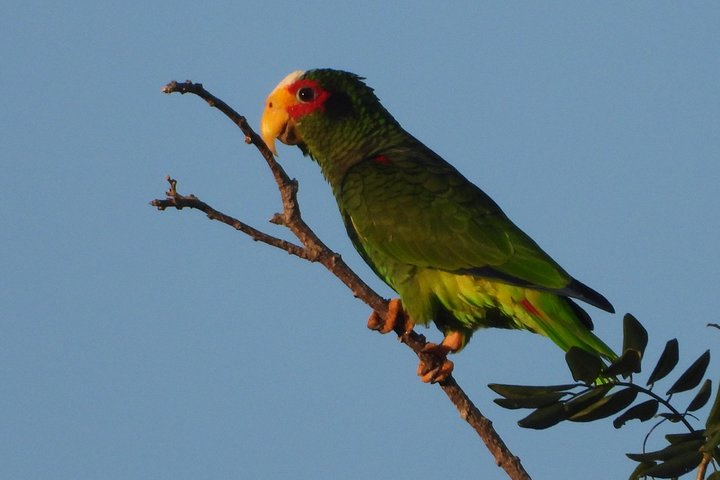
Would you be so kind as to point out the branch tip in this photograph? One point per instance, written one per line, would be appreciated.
(168, 88)
(173, 186)
(277, 219)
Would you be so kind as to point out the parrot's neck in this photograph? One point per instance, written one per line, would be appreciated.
(340, 145)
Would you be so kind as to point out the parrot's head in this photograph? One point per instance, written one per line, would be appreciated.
(329, 114)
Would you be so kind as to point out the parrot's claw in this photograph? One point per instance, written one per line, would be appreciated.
(435, 367)
(395, 318)
(439, 368)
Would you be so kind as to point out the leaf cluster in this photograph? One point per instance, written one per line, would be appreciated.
(603, 391)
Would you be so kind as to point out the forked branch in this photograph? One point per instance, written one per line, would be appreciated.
(311, 248)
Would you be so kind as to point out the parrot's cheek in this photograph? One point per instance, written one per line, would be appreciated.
(289, 134)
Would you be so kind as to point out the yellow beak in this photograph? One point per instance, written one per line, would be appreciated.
(275, 118)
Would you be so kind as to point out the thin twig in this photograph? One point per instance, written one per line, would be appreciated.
(314, 250)
(175, 200)
(702, 468)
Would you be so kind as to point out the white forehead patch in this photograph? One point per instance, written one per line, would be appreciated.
(289, 79)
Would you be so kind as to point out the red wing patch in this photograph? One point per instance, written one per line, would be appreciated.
(530, 308)
(381, 159)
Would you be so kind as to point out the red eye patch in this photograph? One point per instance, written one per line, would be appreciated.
(319, 96)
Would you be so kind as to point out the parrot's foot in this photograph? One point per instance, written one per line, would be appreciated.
(439, 368)
(395, 318)
(436, 371)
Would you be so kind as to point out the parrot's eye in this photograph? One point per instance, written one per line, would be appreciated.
(306, 94)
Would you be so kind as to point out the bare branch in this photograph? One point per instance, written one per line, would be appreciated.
(175, 200)
(314, 250)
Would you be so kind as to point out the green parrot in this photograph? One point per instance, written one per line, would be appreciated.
(439, 241)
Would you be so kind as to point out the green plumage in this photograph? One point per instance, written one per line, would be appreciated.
(438, 240)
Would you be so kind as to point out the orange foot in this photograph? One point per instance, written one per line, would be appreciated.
(435, 367)
(396, 317)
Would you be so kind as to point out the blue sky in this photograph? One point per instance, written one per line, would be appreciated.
(140, 344)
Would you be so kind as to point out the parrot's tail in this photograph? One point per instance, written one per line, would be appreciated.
(562, 321)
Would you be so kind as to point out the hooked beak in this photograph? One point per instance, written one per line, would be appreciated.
(276, 121)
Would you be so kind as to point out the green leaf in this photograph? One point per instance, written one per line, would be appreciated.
(544, 417)
(668, 360)
(642, 411)
(534, 401)
(714, 476)
(629, 362)
(639, 471)
(606, 406)
(635, 337)
(584, 366)
(713, 420)
(692, 376)
(676, 466)
(525, 391)
(669, 452)
(586, 399)
(702, 397)
(675, 438)
(711, 443)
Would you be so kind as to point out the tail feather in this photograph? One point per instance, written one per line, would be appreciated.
(566, 324)
(579, 290)
(581, 314)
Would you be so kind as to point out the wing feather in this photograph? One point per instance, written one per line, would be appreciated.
(418, 210)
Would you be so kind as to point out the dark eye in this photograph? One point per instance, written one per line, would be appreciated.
(306, 94)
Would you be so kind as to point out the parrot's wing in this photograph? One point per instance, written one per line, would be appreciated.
(423, 212)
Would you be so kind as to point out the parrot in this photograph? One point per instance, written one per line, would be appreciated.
(441, 243)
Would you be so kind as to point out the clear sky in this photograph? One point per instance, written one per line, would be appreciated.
(145, 344)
